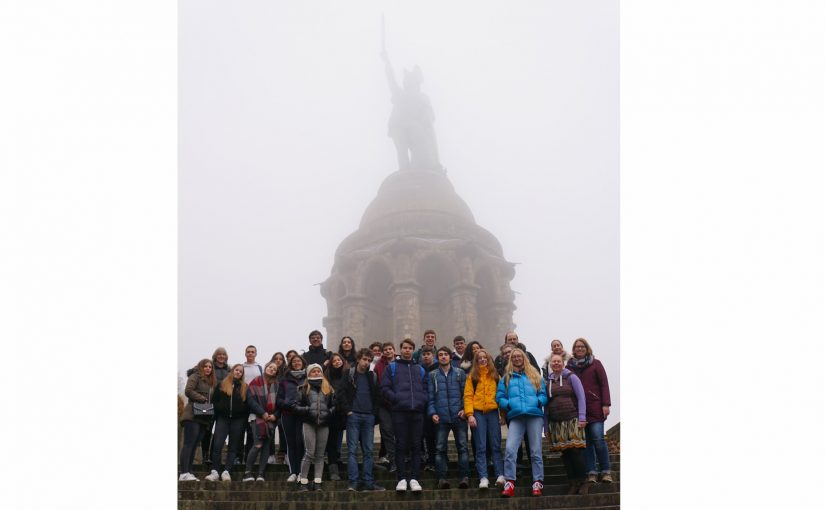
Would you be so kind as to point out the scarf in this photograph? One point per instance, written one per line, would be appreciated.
(585, 362)
(265, 395)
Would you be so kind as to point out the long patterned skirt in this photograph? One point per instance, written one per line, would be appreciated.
(565, 434)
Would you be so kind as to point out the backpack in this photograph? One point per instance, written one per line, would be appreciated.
(392, 371)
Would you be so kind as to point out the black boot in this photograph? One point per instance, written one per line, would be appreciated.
(333, 472)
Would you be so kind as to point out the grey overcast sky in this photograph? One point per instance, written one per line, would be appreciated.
(283, 111)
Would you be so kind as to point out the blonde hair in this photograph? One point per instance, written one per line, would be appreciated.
(326, 387)
(475, 373)
(226, 385)
(529, 370)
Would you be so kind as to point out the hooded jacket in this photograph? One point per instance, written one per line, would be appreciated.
(480, 397)
(565, 397)
(315, 407)
(404, 386)
(520, 397)
(446, 394)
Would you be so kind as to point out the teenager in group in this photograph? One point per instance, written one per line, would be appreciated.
(375, 349)
(262, 396)
(429, 341)
(292, 423)
(470, 351)
(556, 347)
(445, 407)
(459, 347)
(316, 353)
(522, 394)
(565, 412)
(427, 360)
(231, 415)
(220, 367)
(358, 400)
(404, 387)
(199, 388)
(597, 393)
(289, 354)
(335, 373)
(386, 453)
(252, 369)
(346, 348)
(483, 416)
(315, 405)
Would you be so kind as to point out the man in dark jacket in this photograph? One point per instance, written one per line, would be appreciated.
(404, 387)
(316, 352)
(359, 398)
(445, 408)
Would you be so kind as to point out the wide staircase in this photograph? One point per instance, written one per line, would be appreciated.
(277, 493)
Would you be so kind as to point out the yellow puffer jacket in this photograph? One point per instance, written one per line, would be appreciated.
(481, 398)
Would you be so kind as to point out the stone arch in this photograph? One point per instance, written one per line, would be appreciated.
(436, 275)
(377, 321)
(485, 304)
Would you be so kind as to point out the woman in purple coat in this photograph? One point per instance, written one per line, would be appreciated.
(597, 394)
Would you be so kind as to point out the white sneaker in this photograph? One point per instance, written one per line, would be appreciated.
(260, 479)
(402, 486)
(213, 476)
(187, 477)
(292, 478)
(500, 481)
(382, 460)
(483, 483)
(415, 486)
(225, 476)
(271, 460)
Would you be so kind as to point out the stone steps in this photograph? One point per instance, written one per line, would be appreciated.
(276, 492)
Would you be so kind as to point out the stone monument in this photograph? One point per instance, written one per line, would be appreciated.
(418, 259)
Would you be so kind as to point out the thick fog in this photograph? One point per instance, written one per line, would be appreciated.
(283, 144)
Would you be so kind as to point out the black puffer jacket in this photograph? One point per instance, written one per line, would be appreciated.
(230, 406)
(315, 407)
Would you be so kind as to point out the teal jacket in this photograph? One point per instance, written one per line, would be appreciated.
(520, 397)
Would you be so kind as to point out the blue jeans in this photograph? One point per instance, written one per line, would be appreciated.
(360, 431)
(442, 430)
(519, 426)
(596, 447)
(487, 436)
(193, 432)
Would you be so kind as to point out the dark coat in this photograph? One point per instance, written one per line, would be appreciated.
(230, 406)
(346, 395)
(316, 355)
(313, 406)
(406, 390)
(596, 389)
(288, 393)
(446, 394)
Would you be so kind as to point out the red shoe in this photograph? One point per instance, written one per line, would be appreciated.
(509, 489)
(537, 487)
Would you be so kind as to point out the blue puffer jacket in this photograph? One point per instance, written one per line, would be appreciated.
(520, 397)
(446, 394)
(404, 386)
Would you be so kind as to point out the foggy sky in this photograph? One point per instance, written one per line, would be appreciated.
(283, 144)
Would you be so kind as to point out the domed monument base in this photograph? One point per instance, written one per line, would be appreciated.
(419, 261)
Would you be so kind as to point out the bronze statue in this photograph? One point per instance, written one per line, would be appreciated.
(411, 121)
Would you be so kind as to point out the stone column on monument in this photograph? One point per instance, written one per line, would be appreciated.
(465, 314)
(354, 320)
(406, 311)
(333, 325)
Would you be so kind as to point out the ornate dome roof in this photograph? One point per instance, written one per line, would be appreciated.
(416, 191)
(418, 204)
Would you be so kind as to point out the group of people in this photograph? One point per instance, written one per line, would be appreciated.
(417, 397)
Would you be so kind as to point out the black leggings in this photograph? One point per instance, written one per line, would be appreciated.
(293, 430)
(574, 465)
(192, 434)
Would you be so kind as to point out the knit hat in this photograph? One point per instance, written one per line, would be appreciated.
(314, 365)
